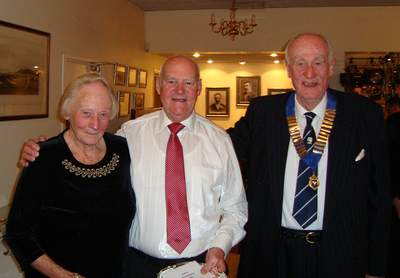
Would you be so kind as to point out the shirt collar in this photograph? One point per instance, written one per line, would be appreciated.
(164, 121)
(319, 110)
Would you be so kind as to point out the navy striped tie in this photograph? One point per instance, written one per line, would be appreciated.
(305, 200)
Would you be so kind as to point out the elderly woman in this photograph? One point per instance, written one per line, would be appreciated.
(73, 206)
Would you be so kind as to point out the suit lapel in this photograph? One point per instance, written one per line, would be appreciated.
(279, 149)
(337, 162)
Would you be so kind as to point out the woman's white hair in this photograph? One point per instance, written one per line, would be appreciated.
(73, 87)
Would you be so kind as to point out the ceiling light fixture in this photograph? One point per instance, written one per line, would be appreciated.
(232, 28)
(210, 61)
(273, 54)
(196, 54)
(242, 62)
(276, 61)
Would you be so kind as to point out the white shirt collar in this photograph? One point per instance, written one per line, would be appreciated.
(164, 121)
(319, 110)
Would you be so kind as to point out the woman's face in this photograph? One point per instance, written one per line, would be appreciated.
(90, 113)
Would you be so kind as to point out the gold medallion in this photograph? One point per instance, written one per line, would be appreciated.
(313, 182)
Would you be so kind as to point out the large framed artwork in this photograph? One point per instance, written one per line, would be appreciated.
(120, 73)
(124, 103)
(217, 102)
(275, 91)
(247, 87)
(24, 72)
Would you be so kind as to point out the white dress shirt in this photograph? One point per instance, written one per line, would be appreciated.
(292, 166)
(216, 199)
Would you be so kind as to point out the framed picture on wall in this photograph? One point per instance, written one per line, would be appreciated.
(142, 78)
(24, 72)
(124, 99)
(279, 91)
(139, 101)
(132, 77)
(217, 102)
(247, 87)
(120, 75)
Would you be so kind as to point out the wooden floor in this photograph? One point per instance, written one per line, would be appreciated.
(233, 262)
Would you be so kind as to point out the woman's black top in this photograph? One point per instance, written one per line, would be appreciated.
(77, 214)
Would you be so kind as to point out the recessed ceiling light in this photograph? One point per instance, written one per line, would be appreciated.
(35, 67)
(196, 54)
(210, 61)
(276, 61)
(273, 54)
(242, 62)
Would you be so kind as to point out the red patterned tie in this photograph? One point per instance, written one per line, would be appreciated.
(178, 225)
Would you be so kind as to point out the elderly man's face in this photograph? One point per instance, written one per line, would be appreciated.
(310, 69)
(179, 88)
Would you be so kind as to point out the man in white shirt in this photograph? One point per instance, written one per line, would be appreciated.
(216, 200)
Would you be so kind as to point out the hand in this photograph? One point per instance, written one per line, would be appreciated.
(396, 203)
(30, 150)
(215, 262)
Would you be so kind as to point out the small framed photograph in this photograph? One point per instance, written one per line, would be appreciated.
(279, 91)
(217, 102)
(139, 101)
(120, 75)
(24, 72)
(132, 77)
(124, 103)
(142, 78)
(247, 87)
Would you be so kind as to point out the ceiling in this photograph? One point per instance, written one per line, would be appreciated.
(233, 57)
(259, 57)
(164, 5)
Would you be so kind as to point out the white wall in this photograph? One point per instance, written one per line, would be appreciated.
(101, 30)
(349, 29)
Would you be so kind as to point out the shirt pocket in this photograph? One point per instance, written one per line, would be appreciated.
(206, 186)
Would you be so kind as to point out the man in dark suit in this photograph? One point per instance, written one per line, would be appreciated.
(318, 192)
(393, 135)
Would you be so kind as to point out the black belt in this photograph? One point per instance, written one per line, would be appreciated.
(200, 258)
(311, 237)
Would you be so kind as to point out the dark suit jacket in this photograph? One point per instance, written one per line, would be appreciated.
(357, 204)
(393, 135)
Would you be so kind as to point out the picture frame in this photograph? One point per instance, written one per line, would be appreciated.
(142, 78)
(132, 76)
(120, 73)
(217, 102)
(247, 87)
(275, 91)
(24, 72)
(139, 101)
(124, 100)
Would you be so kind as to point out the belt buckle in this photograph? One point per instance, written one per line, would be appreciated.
(308, 237)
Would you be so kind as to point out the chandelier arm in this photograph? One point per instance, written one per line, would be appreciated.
(233, 28)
